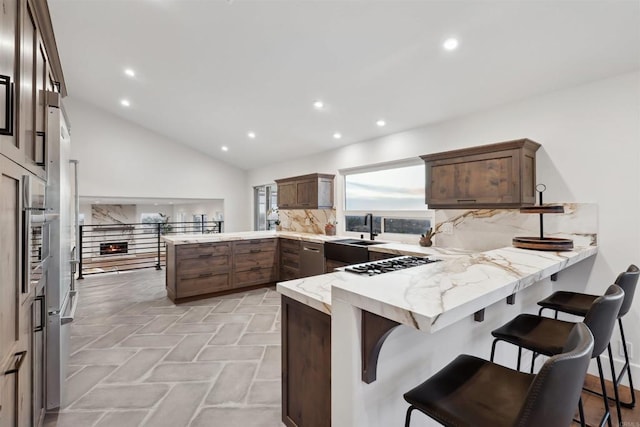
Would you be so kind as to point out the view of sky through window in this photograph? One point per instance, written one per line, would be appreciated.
(386, 190)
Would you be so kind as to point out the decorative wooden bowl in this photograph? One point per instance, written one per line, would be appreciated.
(543, 243)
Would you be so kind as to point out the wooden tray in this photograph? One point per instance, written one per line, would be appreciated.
(542, 209)
(543, 244)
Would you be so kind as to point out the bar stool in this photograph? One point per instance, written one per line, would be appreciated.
(474, 392)
(578, 304)
(547, 336)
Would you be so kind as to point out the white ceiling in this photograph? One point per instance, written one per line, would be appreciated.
(210, 71)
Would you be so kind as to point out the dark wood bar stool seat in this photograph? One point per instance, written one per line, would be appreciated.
(578, 304)
(546, 336)
(474, 392)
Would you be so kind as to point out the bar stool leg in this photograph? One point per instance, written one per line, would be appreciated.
(607, 414)
(493, 349)
(581, 412)
(615, 385)
(519, 357)
(626, 366)
(408, 418)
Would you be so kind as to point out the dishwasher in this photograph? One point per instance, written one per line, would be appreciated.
(311, 259)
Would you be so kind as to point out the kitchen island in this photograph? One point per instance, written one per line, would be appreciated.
(442, 309)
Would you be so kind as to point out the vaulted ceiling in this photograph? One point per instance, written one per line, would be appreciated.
(209, 72)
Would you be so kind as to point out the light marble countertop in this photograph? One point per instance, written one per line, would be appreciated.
(186, 239)
(433, 296)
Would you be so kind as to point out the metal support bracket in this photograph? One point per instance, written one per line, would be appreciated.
(478, 316)
(511, 299)
(554, 277)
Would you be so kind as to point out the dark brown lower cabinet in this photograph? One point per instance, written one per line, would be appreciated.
(306, 365)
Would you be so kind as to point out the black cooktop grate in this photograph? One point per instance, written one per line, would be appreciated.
(389, 265)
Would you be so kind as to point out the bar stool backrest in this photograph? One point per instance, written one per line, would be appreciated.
(628, 281)
(555, 391)
(602, 316)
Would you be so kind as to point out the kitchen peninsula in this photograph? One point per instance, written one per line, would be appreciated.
(368, 339)
(439, 308)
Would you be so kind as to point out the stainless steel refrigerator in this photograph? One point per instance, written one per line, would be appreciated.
(61, 296)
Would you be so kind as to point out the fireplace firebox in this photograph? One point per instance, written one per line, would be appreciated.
(112, 248)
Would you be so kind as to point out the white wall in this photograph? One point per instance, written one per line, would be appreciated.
(590, 138)
(120, 159)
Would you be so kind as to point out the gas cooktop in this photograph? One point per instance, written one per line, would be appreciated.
(389, 265)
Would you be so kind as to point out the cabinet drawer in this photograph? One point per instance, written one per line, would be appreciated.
(252, 260)
(255, 276)
(255, 246)
(202, 250)
(203, 264)
(202, 284)
(290, 260)
(289, 273)
(291, 246)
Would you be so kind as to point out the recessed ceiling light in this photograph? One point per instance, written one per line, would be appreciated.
(450, 44)
(224, 148)
(251, 135)
(337, 135)
(318, 105)
(125, 103)
(381, 123)
(129, 72)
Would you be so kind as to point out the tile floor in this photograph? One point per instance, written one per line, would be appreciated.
(139, 360)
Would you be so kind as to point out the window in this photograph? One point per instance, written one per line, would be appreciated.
(397, 189)
(395, 197)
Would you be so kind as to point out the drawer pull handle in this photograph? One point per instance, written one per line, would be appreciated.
(255, 251)
(21, 356)
(290, 252)
(255, 268)
(203, 275)
(466, 200)
(205, 256)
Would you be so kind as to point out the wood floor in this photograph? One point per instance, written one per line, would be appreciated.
(594, 405)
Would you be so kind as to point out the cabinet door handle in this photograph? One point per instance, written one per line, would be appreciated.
(16, 368)
(42, 135)
(255, 251)
(204, 256)
(7, 128)
(203, 275)
(43, 312)
(466, 200)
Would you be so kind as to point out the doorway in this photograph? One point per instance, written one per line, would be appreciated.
(265, 202)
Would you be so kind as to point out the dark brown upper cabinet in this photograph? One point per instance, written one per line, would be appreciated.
(501, 175)
(314, 191)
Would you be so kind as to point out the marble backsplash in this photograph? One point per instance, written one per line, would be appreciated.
(486, 229)
(113, 214)
(306, 220)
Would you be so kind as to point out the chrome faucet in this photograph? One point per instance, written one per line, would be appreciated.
(368, 220)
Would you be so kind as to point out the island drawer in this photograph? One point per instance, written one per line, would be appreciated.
(255, 246)
(255, 276)
(248, 261)
(203, 264)
(202, 249)
(290, 246)
(202, 284)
